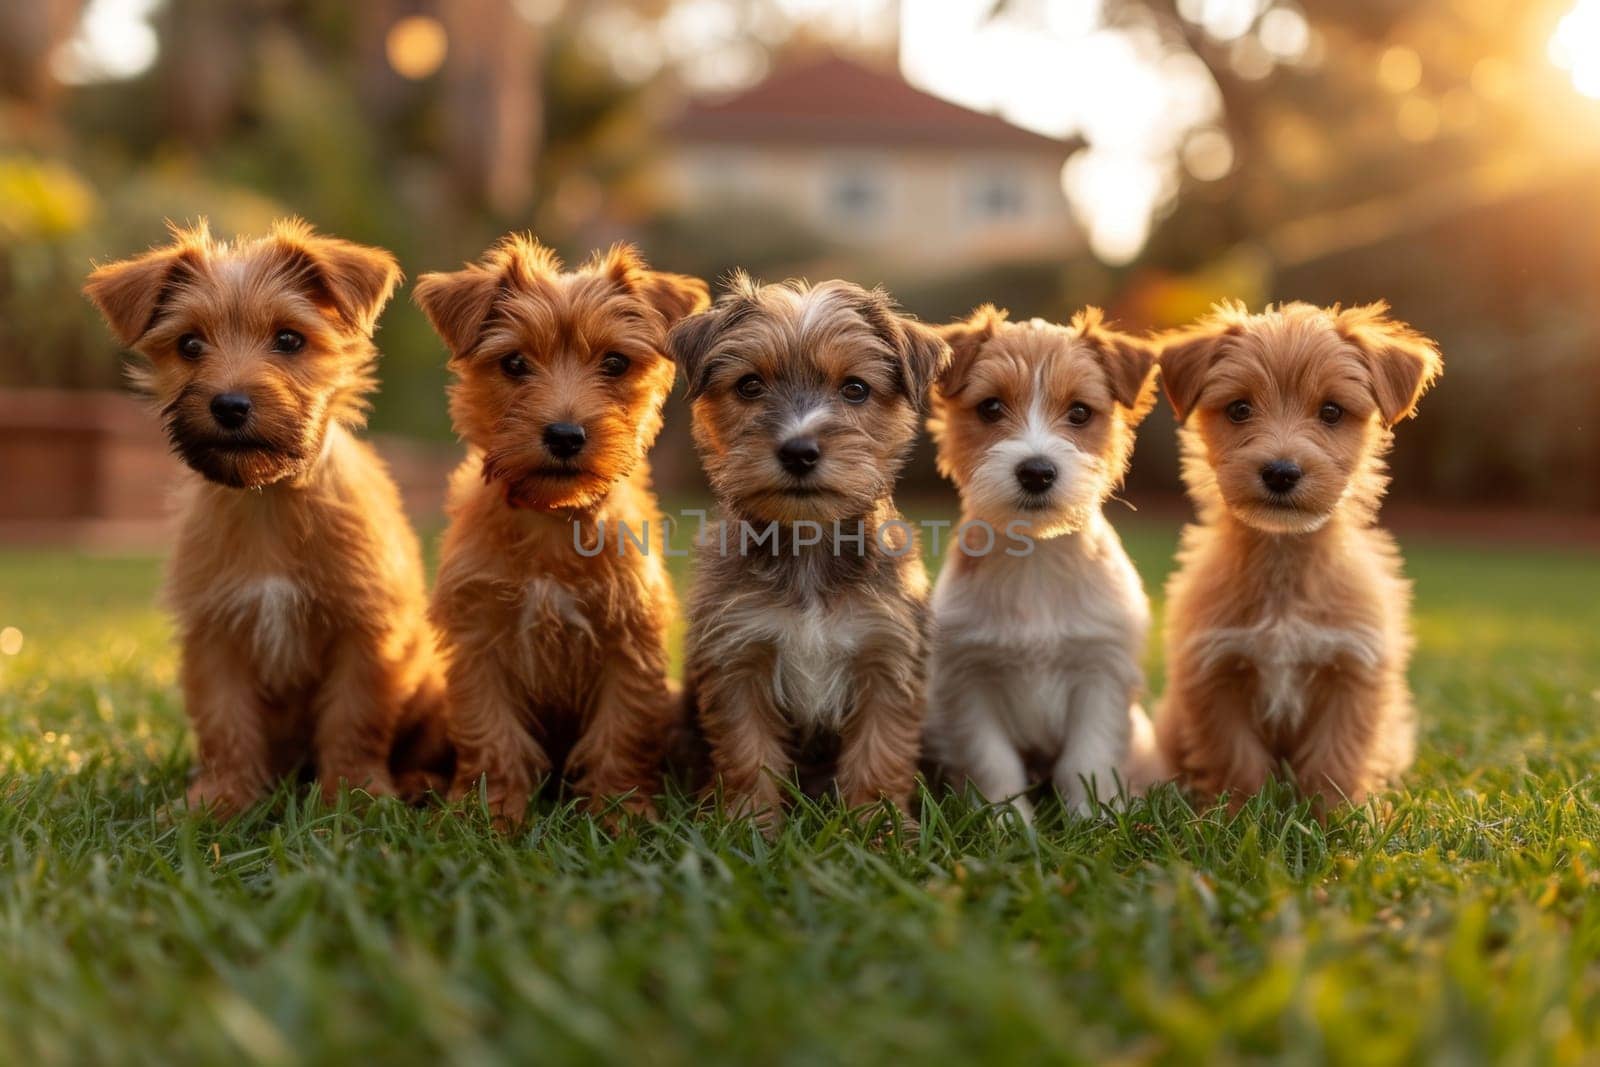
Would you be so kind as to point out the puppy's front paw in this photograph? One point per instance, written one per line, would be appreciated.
(373, 780)
(507, 790)
(1018, 811)
(218, 798)
(417, 786)
(506, 798)
(763, 811)
(614, 813)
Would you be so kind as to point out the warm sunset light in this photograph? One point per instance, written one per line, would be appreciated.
(966, 531)
(1575, 47)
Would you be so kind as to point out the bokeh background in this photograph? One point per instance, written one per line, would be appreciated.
(1148, 156)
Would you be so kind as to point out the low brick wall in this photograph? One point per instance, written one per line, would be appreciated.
(92, 470)
(70, 455)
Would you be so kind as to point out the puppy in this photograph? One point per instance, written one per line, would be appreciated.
(1039, 619)
(296, 580)
(806, 634)
(1287, 635)
(552, 594)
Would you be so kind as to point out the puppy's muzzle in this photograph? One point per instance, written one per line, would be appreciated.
(1036, 475)
(1281, 476)
(230, 410)
(565, 439)
(800, 455)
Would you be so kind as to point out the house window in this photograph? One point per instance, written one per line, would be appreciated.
(997, 195)
(857, 195)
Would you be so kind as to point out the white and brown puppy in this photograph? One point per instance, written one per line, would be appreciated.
(1039, 619)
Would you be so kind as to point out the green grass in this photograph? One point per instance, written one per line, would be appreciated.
(1457, 920)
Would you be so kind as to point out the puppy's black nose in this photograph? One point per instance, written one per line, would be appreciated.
(564, 439)
(1281, 475)
(230, 410)
(799, 455)
(1036, 474)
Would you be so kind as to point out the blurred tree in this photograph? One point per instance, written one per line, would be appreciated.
(30, 33)
(1422, 151)
(493, 100)
(260, 107)
(1380, 105)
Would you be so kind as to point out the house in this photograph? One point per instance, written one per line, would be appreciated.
(872, 165)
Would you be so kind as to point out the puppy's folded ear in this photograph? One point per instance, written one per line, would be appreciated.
(457, 304)
(355, 280)
(1129, 362)
(966, 339)
(689, 343)
(361, 279)
(130, 292)
(1403, 362)
(923, 357)
(919, 352)
(1185, 356)
(676, 296)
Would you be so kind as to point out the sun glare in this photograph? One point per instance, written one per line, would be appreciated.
(1134, 99)
(1575, 47)
(114, 40)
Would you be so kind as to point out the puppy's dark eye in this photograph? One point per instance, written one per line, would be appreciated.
(750, 387)
(1331, 413)
(1239, 411)
(287, 342)
(514, 365)
(855, 391)
(615, 365)
(190, 346)
(1078, 414)
(991, 409)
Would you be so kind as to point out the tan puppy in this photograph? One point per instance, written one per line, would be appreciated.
(296, 580)
(558, 651)
(1039, 619)
(806, 635)
(1287, 620)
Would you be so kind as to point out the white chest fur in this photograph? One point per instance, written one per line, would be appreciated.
(1029, 638)
(549, 605)
(272, 615)
(813, 651)
(815, 655)
(1284, 651)
(1073, 588)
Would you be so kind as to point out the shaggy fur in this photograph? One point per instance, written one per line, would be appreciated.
(1037, 646)
(806, 651)
(296, 582)
(558, 653)
(1287, 620)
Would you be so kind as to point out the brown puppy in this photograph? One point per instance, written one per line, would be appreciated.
(555, 617)
(296, 581)
(807, 622)
(1287, 620)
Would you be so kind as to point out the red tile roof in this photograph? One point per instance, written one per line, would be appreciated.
(834, 101)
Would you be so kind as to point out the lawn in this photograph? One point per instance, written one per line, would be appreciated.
(1457, 920)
